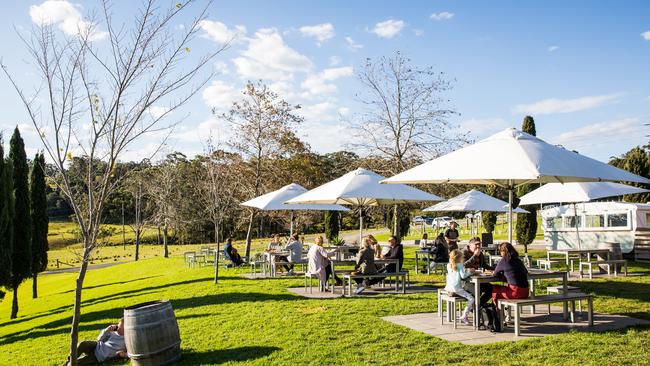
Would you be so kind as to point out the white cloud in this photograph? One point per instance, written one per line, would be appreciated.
(268, 57)
(352, 44)
(602, 132)
(647, 98)
(445, 15)
(552, 48)
(322, 32)
(418, 32)
(321, 83)
(220, 33)
(67, 16)
(324, 137)
(344, 111)
(222, 68)
(646, 35)
(388, 28)
(554, 105)
(482, 127)
(334, 60)
(220, 95)
(213, 126)
(157, 111)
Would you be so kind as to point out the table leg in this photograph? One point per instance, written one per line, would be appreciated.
(416, 261)
(590, 308)
(517, 324)
(477, 297)
(573, 311)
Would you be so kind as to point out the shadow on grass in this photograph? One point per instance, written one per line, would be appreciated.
(109, 284)
(238, 354)
(109, 316)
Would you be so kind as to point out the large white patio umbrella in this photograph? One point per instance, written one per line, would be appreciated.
(577, 192)
(275, 201)
(473, 200)
(511, 158)
(362, 188)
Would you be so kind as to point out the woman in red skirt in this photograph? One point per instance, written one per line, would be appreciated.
(513, 270)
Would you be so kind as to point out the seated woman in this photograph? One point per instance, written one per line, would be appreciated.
(231, 253)
(365, 264)
(375, 246)
(319, 263)
(515, 273)
(424, 242)
(439, 252)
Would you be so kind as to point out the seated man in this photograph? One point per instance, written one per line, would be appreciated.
(295, 252)
(110, 344)
(474, 259)
(231, 253)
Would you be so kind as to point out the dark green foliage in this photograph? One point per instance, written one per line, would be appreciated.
(490, 218)
(636, 161)
(528, 126)
(6, 223)
(331, 222)
(38, 200)
(22, 243)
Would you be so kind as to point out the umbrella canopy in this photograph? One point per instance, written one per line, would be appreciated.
(511, 158)
(362, 188)
(473, 201)
(275, 201)
(577, 192)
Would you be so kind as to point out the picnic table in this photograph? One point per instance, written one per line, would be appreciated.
(335, 263)
(271, 259)
(567, 253)
(533, 274)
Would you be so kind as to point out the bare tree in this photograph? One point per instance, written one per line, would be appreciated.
(260, 121)
(406, 118)
(218, 187)
(96, 102)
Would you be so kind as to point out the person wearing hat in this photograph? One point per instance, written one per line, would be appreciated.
(451, 235)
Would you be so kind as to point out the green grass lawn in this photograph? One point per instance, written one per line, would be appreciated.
(242, 321)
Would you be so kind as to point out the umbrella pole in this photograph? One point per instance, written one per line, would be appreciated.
(510, 198)
(360, 225)
(291, 227)
(575, 214)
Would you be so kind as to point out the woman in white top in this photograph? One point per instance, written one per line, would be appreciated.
(456, 273)
(319, 263)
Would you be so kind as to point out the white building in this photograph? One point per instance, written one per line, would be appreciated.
(625, 223)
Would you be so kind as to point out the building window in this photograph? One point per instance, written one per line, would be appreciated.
(617, 220)
(595, 220)
(570, 221)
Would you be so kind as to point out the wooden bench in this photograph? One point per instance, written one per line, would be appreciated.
(547, 263)
(456, 303)
(607, 264)
(397, 275)
(559, 290)
(569, 298)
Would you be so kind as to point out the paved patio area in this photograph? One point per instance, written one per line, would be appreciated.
(532, 326)
(316, 294)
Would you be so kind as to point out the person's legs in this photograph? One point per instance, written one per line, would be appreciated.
(470, 302)
(486, 293)
(88, 360)
(328, 273)
(500, 292)
(87, 347)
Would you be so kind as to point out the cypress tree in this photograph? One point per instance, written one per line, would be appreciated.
(331, 221)
(636, 161)
(38, 200)
(21, 259)
(526, 227)
(6, 223)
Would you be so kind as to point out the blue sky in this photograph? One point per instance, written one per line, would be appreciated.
(580, 68)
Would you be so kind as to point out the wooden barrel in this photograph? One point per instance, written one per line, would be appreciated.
(151, 334)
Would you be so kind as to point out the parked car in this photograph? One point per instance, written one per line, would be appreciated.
(440, 222)
(419, 220)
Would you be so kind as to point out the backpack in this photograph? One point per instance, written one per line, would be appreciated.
(489, 312)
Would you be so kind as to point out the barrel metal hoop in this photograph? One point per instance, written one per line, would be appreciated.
(149, 354)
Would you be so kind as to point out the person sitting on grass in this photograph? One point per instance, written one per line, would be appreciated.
(513, 270)
(365, 264)
(109, 345)
(231, 253)
(456, 274)
(439, 252)
(319, 263)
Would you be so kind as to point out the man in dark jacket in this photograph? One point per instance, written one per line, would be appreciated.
(396, 251)
(474, 259)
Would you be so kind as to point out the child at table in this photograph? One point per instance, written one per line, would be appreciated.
(456, 273)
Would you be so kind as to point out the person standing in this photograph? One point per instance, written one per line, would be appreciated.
(451, 235)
